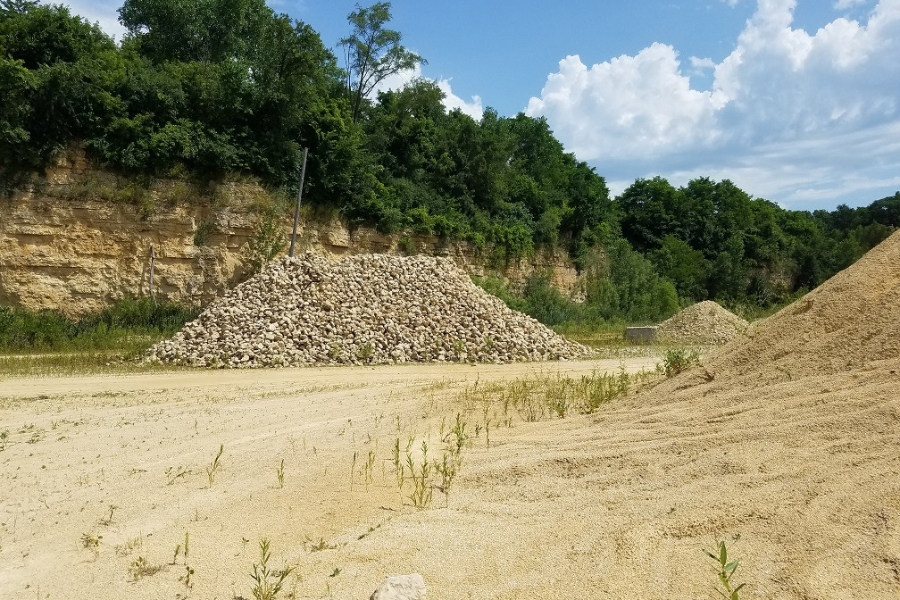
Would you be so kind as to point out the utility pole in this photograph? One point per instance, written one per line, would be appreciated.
(299, 199)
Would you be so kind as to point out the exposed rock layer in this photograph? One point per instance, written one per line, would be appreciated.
(63, 247)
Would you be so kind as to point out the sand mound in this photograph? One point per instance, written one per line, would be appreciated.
(704, 323)
(849, 321)
(366, 309)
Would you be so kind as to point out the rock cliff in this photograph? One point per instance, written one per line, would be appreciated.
(83, 239)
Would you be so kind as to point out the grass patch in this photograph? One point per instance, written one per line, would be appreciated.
(123, 327)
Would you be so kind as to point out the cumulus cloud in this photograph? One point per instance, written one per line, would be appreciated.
(474, 108)
(785, 108)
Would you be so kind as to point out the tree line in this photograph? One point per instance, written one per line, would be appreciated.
(213, 88)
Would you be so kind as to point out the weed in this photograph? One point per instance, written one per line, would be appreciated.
(130, 546)
(399, 471)
(365, 352)
(422, 491)
(214, 466)
(335, 572)
(406, 246)
(91, 541)
(279, 472)
(265, 244)
(725, 572)
(179, 548)
(109, 518)
(139, 568)
(173, 474)
(678, 360)
(201, 235)
(368, 467)
(186, 578)
(320, 545)
(267, 582)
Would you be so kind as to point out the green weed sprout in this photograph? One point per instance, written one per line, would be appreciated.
(726, 571)
(211, 469)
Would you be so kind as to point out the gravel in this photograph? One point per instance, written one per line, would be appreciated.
(704, 323)
(365, 309)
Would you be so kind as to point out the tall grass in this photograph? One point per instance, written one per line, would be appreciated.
(129, 326)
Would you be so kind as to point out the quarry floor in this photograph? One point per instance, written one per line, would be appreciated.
(102, 478)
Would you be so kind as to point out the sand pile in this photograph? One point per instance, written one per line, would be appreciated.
(704, 323)
(849, 321)
(366, 309)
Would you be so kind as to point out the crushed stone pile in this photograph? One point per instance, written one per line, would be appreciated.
(705, 323)
(847, 323)
(365, 309)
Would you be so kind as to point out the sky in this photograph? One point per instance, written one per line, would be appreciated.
(796, 101)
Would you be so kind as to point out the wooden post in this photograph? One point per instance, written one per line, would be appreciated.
(299, 199)
(152, 266)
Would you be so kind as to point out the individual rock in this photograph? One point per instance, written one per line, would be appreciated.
(400, 587)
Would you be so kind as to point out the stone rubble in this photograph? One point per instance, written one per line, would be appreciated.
(705, 323)
(365, 309)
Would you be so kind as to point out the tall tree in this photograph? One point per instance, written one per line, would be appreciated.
(373, 53)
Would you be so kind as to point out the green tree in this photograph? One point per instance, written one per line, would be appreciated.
(373, 53)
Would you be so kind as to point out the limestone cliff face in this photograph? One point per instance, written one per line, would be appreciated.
(63, 248)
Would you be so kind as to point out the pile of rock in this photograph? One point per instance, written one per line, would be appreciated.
(704, 323)
(365, 309)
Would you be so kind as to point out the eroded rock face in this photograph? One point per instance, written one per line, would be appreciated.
(63, 247)
(400, 587)
(365, 309)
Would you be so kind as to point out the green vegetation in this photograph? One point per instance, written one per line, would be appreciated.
(129, 327)
(208, 90)
(267, 582)
(725, 571)
(678, 360)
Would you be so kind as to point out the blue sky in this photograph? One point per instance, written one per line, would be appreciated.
(796, 101)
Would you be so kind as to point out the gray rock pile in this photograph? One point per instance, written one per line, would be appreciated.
(365, 309)
(705, 323)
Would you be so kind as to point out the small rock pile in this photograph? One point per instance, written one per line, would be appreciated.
(365, 309)
(704, 323)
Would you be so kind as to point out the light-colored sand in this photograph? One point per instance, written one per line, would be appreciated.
(616, 505)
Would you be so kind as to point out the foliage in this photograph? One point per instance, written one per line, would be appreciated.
(267, 242)
(373, 52)
(726, 571)
(267, 582)
(142, 320)
(678, 360)
(214, 88)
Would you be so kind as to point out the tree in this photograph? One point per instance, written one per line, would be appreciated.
(373, 53)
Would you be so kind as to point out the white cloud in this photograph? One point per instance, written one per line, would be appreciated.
(474, 108)
(790, 115)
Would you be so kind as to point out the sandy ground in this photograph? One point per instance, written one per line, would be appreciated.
(801, 478)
